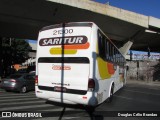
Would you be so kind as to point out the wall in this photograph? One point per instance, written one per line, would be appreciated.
(141, 70)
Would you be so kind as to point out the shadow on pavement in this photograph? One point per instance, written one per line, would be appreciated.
(75, 110)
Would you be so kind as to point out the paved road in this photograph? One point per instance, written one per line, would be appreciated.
(132, 99)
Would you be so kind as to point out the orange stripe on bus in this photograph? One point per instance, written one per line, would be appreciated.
(78, 46)
(110, 68)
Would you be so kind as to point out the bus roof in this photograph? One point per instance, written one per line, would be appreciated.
(70, 24)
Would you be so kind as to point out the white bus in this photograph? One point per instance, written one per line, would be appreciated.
(77, 64)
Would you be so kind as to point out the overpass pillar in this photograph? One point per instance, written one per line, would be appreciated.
(125, 48)
(0, 58)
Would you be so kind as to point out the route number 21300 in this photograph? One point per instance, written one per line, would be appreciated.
(65, 31)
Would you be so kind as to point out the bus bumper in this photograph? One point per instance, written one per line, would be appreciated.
(88, 99)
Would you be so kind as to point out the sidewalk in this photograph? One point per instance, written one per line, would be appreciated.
(139, 82)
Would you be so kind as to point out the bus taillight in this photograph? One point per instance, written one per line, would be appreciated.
(91, 85)
(36, 80)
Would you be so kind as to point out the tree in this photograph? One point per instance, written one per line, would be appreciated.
(14, 51)
(20, 50)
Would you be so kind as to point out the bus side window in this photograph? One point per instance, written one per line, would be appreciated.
(114, 55)
(107, 50)
(110, 52)
(101, 46)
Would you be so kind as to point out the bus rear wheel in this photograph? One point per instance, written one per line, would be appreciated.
(110, 99)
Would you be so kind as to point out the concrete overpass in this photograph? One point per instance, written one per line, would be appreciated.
(24, 18)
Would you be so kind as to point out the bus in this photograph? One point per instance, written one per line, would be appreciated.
(77, 63)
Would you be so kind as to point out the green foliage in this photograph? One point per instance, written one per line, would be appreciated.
(15, 51)
(22, 49)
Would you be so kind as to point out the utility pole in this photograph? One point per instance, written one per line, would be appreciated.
(137, 69)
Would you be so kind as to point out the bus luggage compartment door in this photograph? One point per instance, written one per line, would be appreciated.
(68, 75)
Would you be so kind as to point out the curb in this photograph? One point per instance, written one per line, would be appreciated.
(156, 83)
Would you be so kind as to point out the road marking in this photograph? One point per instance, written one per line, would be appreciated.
(15, 101)
(11, 100)
(46, 118)
(65, 117)
(68, 118)
(16, 96)
(141, 92)
(23, 102)
(24, 107)
(50, 110)
(57, 118)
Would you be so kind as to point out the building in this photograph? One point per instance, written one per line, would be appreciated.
(32, 55)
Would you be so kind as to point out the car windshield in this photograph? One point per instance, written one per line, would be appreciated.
(14, 76)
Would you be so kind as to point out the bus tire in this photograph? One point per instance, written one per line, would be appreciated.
(110, 99)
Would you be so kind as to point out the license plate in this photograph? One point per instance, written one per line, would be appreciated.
(60, 89)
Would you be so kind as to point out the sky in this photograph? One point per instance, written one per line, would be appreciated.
(32, 41)
(145, 7)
